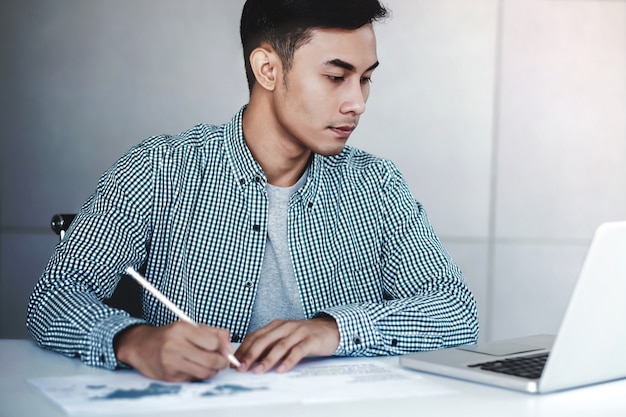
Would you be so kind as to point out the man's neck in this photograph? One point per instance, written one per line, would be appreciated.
(282, 162)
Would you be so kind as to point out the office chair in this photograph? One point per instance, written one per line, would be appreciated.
(127, 294)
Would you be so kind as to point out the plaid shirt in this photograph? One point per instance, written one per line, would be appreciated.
(192, 208)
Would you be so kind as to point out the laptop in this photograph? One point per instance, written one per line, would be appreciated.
(590, 345)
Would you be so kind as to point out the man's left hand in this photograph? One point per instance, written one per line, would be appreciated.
(283, 343)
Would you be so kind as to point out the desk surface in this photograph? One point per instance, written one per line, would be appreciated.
(21, 360)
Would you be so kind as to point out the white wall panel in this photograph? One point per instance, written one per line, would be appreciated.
(533, 286)
(562, 118)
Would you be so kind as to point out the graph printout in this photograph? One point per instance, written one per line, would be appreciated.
(312, 381)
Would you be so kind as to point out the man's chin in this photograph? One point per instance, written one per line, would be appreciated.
(330, 151)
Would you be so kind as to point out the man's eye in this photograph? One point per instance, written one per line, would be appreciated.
(335, 78)
(366, 80)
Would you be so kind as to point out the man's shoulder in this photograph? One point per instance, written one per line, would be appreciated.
(198, 136)
(356, 160)
(196, 144)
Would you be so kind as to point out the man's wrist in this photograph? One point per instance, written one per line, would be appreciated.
(330, 323)
(125, 340)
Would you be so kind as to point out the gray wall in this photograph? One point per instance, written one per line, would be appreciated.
(507, 117)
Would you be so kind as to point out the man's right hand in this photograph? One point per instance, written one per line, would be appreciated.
(177, 352)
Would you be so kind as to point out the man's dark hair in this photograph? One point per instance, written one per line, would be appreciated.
(286, 25)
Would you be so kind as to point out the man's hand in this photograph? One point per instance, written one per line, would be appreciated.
(285, 343)
(177, 352)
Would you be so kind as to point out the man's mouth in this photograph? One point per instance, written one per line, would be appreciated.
(343, 131)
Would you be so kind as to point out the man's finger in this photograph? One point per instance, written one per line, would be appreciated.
(257, 345)
(296, 354)
(276, 353)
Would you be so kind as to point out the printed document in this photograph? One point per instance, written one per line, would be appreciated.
(312, 381)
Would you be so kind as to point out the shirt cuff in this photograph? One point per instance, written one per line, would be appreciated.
(357, 332)
(102, 353)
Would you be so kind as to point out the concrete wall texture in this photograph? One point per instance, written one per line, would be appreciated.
(507, 118)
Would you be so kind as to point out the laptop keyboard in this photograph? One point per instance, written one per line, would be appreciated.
(524, 366)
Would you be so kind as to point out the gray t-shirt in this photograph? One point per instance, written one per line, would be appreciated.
(277, 294)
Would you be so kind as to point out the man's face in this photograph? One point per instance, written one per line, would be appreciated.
(320, 99)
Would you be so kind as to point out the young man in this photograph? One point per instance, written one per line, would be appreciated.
(267, 230)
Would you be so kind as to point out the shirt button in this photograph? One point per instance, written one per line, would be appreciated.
(394, 342)
(257, 179)
(357, 340)
(242, 181)
(102, 358)
(248, 284)
(256, 228)
(236, 338)
(310, 205)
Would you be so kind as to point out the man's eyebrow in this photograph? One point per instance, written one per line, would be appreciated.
(348, 66)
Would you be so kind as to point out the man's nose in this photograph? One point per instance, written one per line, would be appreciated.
(355, 99)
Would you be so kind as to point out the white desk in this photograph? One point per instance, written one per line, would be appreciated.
(21, 360)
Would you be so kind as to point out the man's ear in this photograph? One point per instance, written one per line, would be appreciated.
(265, 65)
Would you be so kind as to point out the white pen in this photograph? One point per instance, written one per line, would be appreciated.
(162, 298)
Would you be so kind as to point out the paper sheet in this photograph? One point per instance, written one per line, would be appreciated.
(312, 381)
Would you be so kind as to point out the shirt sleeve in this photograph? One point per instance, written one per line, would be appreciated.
(66, 312)
(426, 303)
